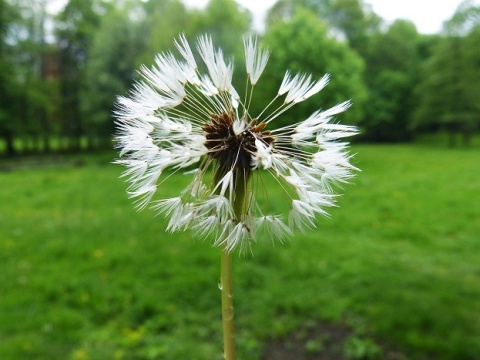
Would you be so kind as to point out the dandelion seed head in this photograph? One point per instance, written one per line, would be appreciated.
(177, 118)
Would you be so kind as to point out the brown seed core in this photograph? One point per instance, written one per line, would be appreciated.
(229, 148)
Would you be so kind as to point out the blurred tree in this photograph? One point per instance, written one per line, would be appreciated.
(450, 83)
(356, 20)
(302, 44)
(224, 20)
(392, 59)
(227, 23)
(28, 97)
(76, 27)
(7, 84)
(163, 20)
(352, 19)
(39, 97)
(109, 69)
(132, 33)
(283, 10)
(465, 19)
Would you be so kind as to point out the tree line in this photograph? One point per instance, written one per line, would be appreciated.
(60, 73)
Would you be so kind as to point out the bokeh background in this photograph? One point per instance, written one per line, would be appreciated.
(393, 273)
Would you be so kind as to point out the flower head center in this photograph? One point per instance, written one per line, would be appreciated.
(231, 141)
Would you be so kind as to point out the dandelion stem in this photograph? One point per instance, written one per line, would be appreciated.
(227, 305)
(240, 188)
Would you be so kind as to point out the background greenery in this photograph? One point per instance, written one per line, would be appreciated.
(60, 73)
(84, 276)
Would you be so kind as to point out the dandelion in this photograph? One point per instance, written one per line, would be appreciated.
(178, 119)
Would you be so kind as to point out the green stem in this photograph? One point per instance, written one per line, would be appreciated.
(240, 189)
(227, 306)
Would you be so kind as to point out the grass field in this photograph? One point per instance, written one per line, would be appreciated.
(85, 276)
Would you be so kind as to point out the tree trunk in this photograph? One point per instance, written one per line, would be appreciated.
(466, 137)
(10, 147)
(451, 138)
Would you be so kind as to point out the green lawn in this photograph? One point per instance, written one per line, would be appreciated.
(85, 276)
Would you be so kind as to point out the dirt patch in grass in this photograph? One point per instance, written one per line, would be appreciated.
(327, 341)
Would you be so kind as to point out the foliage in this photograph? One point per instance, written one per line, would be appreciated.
(162, 21)
(392, 60)
(76, 26)
(362, 349)
(108, 71)
(449, 88)
(227, 23)
(27, 98)
(356, 20)
(464, 20)
(60, 73)
(351, 19)
(7, 86)
(88, 277)
(132, 32)
(313, 51)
